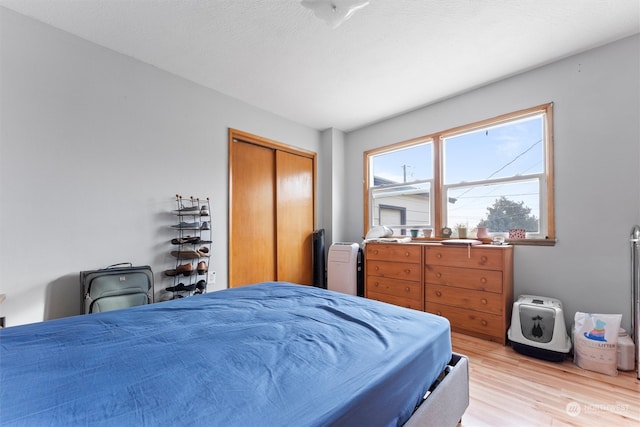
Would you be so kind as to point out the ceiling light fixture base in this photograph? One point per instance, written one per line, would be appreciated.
(334, 12)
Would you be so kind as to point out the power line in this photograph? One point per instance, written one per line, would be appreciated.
(491, 195)
(504, 166)
(516, 158)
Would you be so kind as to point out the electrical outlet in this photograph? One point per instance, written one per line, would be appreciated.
(212, 277)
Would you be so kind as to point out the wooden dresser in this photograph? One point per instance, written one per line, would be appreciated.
(394, 274)
(472, 287)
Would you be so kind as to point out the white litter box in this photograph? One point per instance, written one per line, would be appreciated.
(538, 328)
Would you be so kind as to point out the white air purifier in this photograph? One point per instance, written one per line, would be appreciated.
(538, 328)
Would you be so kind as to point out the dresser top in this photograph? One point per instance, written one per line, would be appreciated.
(441, 245)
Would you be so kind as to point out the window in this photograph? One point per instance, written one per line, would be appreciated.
(401, 192)
(495, 174)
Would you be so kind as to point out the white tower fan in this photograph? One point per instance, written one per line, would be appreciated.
(342, 268)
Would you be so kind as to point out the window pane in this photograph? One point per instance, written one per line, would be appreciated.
(510, 149)
(402, 206)
(404, 165)
(497, 206)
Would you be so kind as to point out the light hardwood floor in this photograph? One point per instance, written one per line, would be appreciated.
(510, 389)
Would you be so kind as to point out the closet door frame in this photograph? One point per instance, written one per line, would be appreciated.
(241, 136)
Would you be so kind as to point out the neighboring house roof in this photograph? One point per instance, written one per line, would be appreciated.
(379, 181)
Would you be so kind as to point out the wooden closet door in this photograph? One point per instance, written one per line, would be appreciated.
(271, 211)
(252, 216)
(295, 217)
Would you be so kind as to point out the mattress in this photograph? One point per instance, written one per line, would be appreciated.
(271, 354)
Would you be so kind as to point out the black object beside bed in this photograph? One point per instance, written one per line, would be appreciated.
(271, 354)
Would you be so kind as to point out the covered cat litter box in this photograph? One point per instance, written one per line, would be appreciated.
(538, 328)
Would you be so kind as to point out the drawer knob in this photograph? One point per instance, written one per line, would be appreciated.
(483, 280)
(438, 255)
(439, 313)
(407, 289)
(376, 284)
(438, 275)
(377, 268)
(484, 322)
(407, 270)
(438, 293)
(483, 259)
(407, 254)
(484, 300)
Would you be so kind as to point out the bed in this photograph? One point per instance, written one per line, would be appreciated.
(271, 354)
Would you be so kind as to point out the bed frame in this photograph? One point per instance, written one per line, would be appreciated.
(448, 397)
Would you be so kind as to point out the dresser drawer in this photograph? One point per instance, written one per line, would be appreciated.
(468, 278)
(394, 252)
(396, 300)
(469, 299)
(475, 257)
(399, 288)
(393, 270)
(470, 321)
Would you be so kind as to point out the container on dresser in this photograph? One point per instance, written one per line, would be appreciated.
(471, 286)
(393, 274)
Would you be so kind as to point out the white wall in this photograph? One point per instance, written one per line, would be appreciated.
(93, 147)
(596, 98)
(334, 207)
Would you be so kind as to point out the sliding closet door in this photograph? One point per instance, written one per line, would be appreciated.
(252, 257)
(294, 196)
(271, 211)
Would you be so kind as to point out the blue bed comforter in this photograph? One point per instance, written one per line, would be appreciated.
(273, 354)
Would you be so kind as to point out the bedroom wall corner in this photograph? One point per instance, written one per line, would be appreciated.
(94, 145)
(596, 96)
(333, 212)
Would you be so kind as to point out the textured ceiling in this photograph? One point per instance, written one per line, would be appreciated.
(390, 57)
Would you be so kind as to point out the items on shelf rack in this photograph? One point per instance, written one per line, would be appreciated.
(192, 247)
